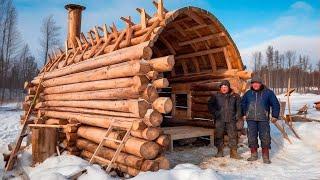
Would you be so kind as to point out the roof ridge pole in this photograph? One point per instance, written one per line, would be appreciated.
(74, 22)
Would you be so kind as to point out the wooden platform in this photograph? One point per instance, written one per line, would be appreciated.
(184, 132)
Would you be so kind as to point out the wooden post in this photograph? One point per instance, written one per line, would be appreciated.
(74, 22)
(189, 102)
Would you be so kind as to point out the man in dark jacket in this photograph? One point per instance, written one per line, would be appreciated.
(225, 109)
(256, 105)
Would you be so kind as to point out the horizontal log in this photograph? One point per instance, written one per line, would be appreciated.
(140, 51)
(163, 162)
(149, 133)
(135, 106)
(139, 83)
(135, 146)
(153, 118)
(126, 169)
(160, 83)
(150, 94)
(92, 111)
(199, 107)
(203, 93)
(109, 94)
(150, 165)
(162, 64)
(163, 140)
(201, 99)
(162, 104)
(152, 75)
(56, 121)
(219, 74)
(211, 86)
(107, 153)
(93, 120)
(198, 114)
(131, 68)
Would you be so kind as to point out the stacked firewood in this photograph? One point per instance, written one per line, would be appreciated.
(119, 87)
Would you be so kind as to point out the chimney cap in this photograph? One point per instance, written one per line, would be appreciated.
(74, 6)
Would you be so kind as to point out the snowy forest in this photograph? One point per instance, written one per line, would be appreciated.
(275, 68)
(17, 63)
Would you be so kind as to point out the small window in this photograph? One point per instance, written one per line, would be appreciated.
(182, 101)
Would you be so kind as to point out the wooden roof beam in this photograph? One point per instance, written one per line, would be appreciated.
(105, 32)
(114, 31)
(161, 11)
(179, 29)
(127, 21)
(79, 43)
(195, 17)
(200, 39)
(96, 33)
(129, 30)
(169, 46)
(193, 28)
(91, 38)
(200, 53)
(84, 39)
(226, 56)
(143, 17)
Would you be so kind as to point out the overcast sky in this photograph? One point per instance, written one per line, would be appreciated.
(253, 24)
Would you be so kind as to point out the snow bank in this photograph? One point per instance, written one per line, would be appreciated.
(180, 172)
(60, 167)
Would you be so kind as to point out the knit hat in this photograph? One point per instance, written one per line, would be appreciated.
(257, 80)
(225, 83)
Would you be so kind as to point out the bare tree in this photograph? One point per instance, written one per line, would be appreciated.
(257, 57)
(9, 43)
(50, 37)
(270, 62)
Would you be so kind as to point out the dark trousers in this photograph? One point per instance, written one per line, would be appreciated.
(261, 129)
(231, 128)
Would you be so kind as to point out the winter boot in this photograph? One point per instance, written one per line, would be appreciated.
(254, 154)
(220, 152)
(265, 156)
(234, 154)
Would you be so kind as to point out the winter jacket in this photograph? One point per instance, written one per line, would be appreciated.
(225, 107)
(256, 105)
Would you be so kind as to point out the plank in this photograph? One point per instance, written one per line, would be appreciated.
(200, 53)
(203, 38)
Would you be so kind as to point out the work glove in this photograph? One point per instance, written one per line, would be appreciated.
(274, 120)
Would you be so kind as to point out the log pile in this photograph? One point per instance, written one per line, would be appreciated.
(101, 92)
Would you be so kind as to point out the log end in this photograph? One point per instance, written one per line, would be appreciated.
(153, 118)
(147, 53)
(149, 150)
(163, 104)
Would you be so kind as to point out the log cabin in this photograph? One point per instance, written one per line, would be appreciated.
(155, 76)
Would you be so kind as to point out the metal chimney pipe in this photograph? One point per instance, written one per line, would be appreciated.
(74, 22)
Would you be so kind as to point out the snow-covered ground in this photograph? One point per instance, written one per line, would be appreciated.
(299, 160)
